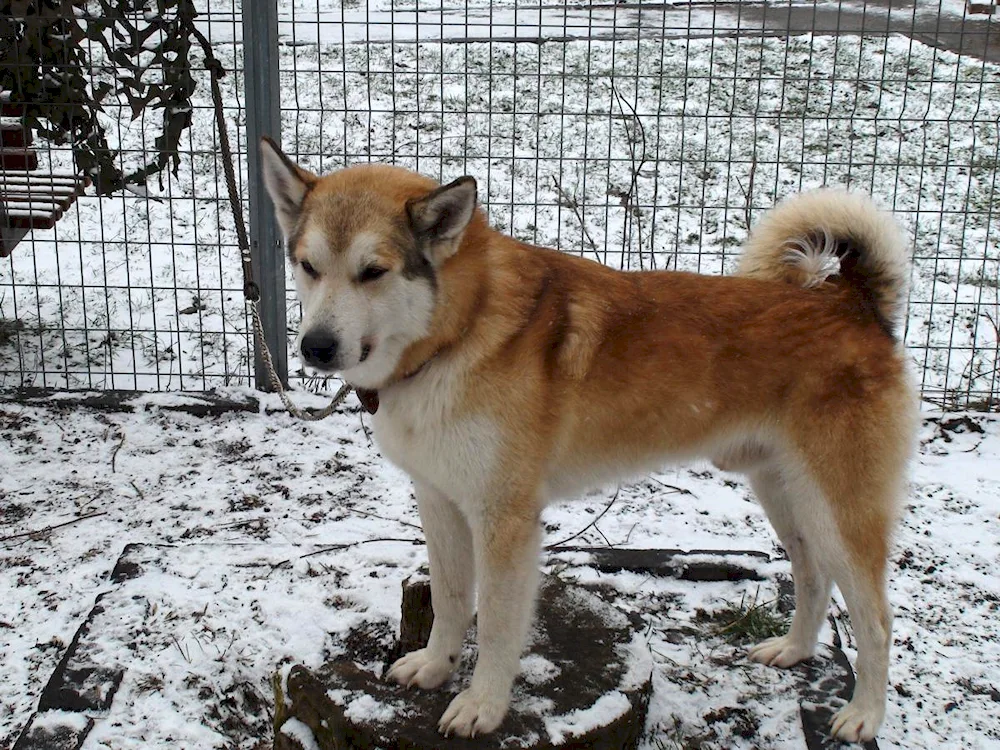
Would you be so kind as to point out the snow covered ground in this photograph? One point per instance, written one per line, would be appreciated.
(245, 501)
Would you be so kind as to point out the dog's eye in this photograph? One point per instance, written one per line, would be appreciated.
(308, 268)
(371, 273)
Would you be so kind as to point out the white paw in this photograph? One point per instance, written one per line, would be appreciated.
(779, 652)
(421, 668)
(471, 714)
(856, 723)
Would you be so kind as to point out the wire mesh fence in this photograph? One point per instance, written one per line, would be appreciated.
(642, 135)
(138, 288)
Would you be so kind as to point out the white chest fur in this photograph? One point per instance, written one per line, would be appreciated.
(419, 429)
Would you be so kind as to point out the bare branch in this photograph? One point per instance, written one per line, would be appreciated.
(570, 202)
(557, 545)
(48, 529)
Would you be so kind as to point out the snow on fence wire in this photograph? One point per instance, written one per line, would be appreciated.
(642, 135)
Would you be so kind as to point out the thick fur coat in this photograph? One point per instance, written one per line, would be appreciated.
(505, 375)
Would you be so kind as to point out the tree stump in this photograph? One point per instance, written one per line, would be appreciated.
(417, 614)
(585, 683)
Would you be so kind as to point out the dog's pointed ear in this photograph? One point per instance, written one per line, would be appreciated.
(440, 218)
(287, 184)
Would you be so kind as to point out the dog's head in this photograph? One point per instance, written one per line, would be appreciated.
(366, 244)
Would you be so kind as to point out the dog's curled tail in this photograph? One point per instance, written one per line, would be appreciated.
(833, 236)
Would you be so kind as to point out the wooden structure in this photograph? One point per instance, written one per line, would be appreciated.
(30, 198)
(586, 687)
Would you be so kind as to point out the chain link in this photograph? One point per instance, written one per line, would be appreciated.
(265, 354)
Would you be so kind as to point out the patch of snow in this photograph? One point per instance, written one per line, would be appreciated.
(53, 720)
(585, 600)
(528, 703)
(638, 663)
(284, 672)
(301, 733)
(365, 709)
(606, 709)
(537, 670)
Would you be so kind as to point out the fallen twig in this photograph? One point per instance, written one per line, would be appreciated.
(185, 654)
(369, 514)
(49, 529)
(556, 545)
(346, 545)
(114, 453)
(672, 487)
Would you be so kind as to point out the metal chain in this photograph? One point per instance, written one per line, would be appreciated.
(250, 289)
(265, 354)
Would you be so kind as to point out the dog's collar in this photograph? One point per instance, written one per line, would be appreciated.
(369, 397)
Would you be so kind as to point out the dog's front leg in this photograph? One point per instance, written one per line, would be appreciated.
(449, 551)
(507, 537)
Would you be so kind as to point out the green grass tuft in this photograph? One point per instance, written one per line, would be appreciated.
(750, 621)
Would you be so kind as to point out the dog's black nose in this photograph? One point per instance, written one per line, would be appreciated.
(319, 348)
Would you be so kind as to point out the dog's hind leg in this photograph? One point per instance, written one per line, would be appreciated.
(861, 581)
(859, 469)
(864, 512)
(507, 542)
(826, 544)
(812, 582)
(449, 549)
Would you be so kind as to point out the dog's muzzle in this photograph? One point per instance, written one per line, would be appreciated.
(319, 349)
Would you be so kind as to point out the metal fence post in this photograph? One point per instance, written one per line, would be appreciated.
(260, 70)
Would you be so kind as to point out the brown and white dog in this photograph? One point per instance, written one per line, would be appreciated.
(504, 375)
